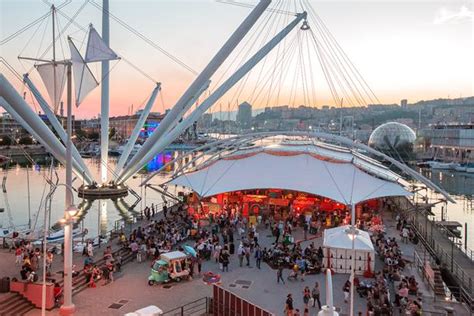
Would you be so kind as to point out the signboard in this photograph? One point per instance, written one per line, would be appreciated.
(254, 198)
(278, 202)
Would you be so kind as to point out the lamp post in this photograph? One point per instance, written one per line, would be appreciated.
(353, 235)
(68, 307)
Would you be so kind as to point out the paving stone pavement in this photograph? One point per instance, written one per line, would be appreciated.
(130, 290)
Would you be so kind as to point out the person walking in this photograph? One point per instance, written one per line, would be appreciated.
(289, 305)
(405, 234)
(346, 288)
(247, 254)
(18, 255)
(199, 263)
(165, 210)
(277, 235)
(280, 274)
(316, 294)
(90, 249)
(49, 262)
(306, 296)
(241, 253)
(225, 261)
(258, 256)
(305, 230)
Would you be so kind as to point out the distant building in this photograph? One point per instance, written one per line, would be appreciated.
(244, 115)
(205, 122)
(125, 124)
(451, 142)
(404, 103)
(10, 127)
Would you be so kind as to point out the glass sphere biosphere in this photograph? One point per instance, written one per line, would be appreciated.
(392, 136)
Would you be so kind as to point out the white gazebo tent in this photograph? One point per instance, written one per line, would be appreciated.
(338, 253)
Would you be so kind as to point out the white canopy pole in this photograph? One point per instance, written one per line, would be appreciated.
(190, 103)
(44, 134)
(183, 103)
(51, 149)
(353, 261)
(214, 97)
(104, 98)
(26, 126)
(55, 123)
(201, 148)
(136, 131)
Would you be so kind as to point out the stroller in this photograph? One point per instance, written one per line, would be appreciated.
(363, 288)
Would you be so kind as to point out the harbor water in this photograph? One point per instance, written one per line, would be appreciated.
(26, 188)
(98, 220)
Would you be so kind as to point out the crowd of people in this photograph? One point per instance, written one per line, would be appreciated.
(378, 294)
(145, 243)
(229, 234)
(28, 258)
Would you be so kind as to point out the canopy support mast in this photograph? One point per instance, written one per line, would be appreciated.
(136, 131)
(183, 103)
(55, 123)
(213, 98)
(104, 100)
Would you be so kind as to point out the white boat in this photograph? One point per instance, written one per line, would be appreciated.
(465, 167)
(7, 232)
(59, 235)
(119, 150)
(441, 165)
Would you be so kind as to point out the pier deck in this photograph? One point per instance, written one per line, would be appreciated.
(451, 255)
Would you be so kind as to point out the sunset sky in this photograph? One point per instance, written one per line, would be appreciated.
(404, 49)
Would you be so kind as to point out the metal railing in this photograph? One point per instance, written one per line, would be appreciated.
(126, 225)
(464, 290)
(198, 307)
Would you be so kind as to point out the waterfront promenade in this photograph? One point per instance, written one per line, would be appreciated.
(131, 284)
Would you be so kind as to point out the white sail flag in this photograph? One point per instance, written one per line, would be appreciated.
(97, 49)
(54, 79)
(84, 80)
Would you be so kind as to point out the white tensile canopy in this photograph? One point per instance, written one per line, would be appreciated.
(341, 181)
(84, 81)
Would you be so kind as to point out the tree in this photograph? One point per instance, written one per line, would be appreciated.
(25, 140)
(93, 135)
(5, 141)
(112, 132)
(80, 134)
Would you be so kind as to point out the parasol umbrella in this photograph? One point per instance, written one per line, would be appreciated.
(190, 250)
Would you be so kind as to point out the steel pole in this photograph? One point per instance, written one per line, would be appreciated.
(353, 257)
(183, 104)
(68, 307)
(29, 199)
(465, 236)
(104, 100)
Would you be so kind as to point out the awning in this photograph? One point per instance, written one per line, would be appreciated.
(339, 238)
(340, 181)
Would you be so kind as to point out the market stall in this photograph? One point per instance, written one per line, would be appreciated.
(338, 250)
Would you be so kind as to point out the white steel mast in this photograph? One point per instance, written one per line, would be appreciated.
(183, 103)
(104, 100)
(160, 144)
